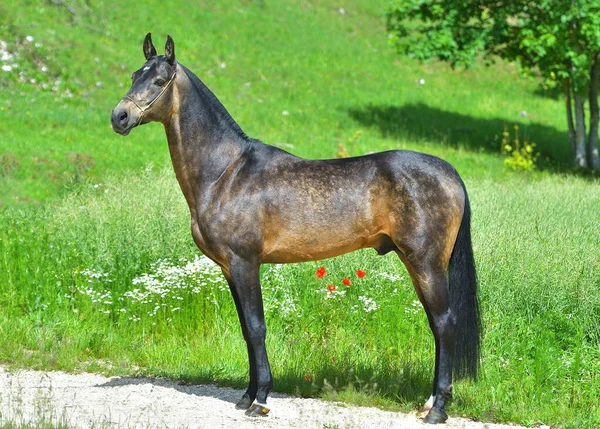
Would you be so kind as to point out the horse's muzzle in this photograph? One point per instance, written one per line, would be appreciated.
(122, 119)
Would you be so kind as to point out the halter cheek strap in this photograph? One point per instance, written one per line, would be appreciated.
(143, 110)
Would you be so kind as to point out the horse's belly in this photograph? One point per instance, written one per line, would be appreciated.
(314, 245)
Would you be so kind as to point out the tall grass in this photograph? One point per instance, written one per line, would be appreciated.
(108, 279)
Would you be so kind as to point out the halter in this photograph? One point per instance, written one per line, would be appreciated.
(143, 111)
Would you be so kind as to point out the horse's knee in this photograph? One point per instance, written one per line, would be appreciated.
(256, 335)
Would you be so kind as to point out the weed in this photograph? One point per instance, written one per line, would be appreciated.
(82, 163)
(519, 155)
(343, 151)
(8, 163)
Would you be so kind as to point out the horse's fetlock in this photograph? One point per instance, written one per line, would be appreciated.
(445, 393)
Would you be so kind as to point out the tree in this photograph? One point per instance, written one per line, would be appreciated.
(557, 39)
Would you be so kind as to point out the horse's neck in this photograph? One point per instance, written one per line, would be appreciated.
(201, 144)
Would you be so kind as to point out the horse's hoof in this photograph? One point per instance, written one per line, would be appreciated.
(436, 416)
(244, 403)
(422, 413)
(257, 410)
(426, 407)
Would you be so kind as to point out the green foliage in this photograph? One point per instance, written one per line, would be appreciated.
(436, 29)
(557, 38)
(520, 155)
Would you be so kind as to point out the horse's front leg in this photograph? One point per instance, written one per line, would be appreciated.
(244, 282)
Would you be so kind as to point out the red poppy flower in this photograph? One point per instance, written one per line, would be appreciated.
(346, 281)
(321, 272)
(331, 288)
(308, 377)
(360, 274)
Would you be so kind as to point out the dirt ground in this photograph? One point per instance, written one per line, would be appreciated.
(94, 401)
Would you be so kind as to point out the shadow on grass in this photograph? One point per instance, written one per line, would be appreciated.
(422, 122)
(555, 93)
(410, 388)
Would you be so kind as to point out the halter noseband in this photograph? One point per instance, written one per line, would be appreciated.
(143, 111)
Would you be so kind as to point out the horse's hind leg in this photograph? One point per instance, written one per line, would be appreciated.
(243, 278)
(431, 286)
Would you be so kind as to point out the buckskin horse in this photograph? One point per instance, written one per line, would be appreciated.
(252, 203)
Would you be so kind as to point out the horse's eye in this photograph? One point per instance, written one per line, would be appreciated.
(159, 82)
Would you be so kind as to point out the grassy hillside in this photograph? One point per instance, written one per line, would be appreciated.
(89, 218)
(330, 70)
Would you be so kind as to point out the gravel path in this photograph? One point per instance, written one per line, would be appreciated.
(94, 401)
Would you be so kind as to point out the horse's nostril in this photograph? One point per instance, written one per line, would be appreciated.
(123, 117)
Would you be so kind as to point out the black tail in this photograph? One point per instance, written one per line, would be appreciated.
(462, 280)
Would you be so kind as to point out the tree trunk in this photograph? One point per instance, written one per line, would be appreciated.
(592, 149)
(569, 105)
(580, 137)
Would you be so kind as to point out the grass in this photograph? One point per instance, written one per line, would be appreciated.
(540, 358)
(86, 214)
(342, 78)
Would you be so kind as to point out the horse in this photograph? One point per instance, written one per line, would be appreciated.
(253, 203)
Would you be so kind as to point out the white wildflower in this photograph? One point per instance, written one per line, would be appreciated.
(415, 308)
(369, 305)
(335, 294)
(391, 277)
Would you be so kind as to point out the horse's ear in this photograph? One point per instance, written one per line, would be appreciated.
(170, 51)
(149, 50)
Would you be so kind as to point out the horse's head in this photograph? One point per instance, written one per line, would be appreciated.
(149, 98)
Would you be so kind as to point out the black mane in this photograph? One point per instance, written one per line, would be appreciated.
(214, 102)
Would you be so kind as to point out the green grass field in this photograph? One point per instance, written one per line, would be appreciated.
(98, 270)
